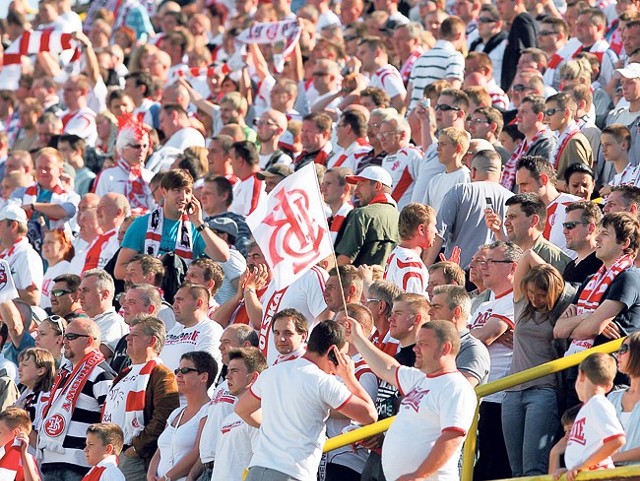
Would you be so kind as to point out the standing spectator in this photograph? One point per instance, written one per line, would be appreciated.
(580, 229)
(57, 250)
(61, 440)
(492, 39)
(522, 34)
(142, 397)
(375, 63)
(316, 145)
(351, 133)
(297, 454)
(250, 190)
(336, 193)
(79, 119)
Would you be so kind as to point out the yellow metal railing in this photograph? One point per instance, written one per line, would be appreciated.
(469, 450)
(600, 474)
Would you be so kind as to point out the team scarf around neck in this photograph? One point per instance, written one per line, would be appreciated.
(184, 241)
(591, 296)
(136, 397)
(509, 172)
(11, 462)
(570, 132)
(136, 190)
(62, 402)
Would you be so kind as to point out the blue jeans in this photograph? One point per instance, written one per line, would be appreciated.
(529, 424)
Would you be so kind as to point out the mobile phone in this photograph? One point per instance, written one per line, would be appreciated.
(488, 201)
(332, 356)
(426, 103)
(190, 208)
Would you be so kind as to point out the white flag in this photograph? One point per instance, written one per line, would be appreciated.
(291, 227)
(8, 289)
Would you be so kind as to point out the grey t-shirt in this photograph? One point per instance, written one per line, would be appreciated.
(460, 221)
(533, 339)
(473, 358)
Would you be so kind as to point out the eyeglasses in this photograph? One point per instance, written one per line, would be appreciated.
(477, 121)
(372, 299)
(624, 348)
(546, 33)
(349, 38)
(60, 292)
(184, 370)
(72, 336)
(447, 108)
(494, 261)
(486, 20)
(137, 146)
(550, 112)
(320, 74)
(58, 321)
(519, 87)
(570, 225)
(259, 123)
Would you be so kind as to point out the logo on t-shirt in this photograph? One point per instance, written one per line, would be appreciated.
(577, 432)
(414, 397)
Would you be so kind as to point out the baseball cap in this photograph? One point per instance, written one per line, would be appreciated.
(631, 71)
(276, 170)
(224, 224)
(373, 172)
(13, 212)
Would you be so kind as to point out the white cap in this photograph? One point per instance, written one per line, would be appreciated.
(13, 212)
(631, 71)
(373, 172)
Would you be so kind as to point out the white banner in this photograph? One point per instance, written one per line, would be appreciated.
(291, 227)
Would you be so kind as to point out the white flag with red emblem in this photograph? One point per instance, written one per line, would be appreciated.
(291, 227)
(8, 289)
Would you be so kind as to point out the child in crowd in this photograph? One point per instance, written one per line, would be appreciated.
(15, 462)
(558, 450)
(104, 444)
(596, 433)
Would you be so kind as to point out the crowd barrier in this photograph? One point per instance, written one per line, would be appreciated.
(469, 451)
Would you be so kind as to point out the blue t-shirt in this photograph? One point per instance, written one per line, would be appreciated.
(12, 352)
(135, 236)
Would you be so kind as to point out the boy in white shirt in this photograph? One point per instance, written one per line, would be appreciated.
(104, 444)
(596, 433)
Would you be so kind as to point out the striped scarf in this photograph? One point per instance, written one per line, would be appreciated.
(184, 241)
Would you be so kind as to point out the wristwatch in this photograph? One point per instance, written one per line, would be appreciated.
(200, 228)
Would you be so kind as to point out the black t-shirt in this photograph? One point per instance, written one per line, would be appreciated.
(387, 401)
(577, 273)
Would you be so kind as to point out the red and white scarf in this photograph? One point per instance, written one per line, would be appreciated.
(567, 134)
(338, 219)
(56, 416)
(136, 397)
(591, 296)
(321, 156)
(184, 239)
(357, 150)
(405, 70)
(94, 254)
(509, 172)
(96, 472)
(11, 463)
(58, 196)
(383, 198)
(136, 190)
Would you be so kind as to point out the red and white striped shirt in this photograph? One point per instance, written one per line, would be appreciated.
(407, 271)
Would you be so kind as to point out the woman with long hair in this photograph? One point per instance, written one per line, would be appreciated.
(530, 410)
(627, 400)
(58, 252)
(50, 333)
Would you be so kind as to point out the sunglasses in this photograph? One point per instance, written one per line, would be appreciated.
(184, 370)
(546, 33)
(624, 348)
(72, 336)
(58, 321)
(486, 20)
(519, 87)
(60, 292)
(550, 112)
(446, 108)
(571, 225)
(137, 146)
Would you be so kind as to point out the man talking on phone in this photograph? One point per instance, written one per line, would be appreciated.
(296, 397)
(177, 227)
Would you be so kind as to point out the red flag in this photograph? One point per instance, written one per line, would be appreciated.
(291, 227)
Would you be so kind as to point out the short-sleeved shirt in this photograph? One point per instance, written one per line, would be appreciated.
(370, 235)
(473, 358)
(407, 271)
(431, 406)
(296, 397)
(595, 424)
(136, 236)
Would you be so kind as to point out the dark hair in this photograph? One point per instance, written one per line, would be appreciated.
(570, 415)
(75, 142)
(536, 101)
(630, 194)
(530, 204)
(211, 271)
(108, 433)
(537, 165)
(299, 321)
(71, 280)
(204, 363)
(451, 271)
(324, 335)
(141, 79)
(223, 186)
(176, 179)
(252, 357)
(247, 151)
(626, 226)
(445, 331)
(591, 213)
(42, 359)
(150, 265)
(197, 291)
(356, 120)
(577, 168)
(379, 97)
(322, 121)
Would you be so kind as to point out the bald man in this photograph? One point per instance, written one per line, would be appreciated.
(271, 125)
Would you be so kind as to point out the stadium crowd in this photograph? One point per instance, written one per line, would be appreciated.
(478, 165)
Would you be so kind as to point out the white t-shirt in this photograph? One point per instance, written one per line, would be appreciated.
(404, 167)
(595, 423)
(305, 295)
(174, 443)
(431, 406)
(500, 355)
(187, 137)
(82, 123)
(442, 183)
(233, 269)
(108, 468)
(25, 263)
(112, 328)
(235, 446)
(221, 405)
(296, 397)
(407, 271)
(116, 179)
(388, 79)
(247, 194)
(204, 336)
